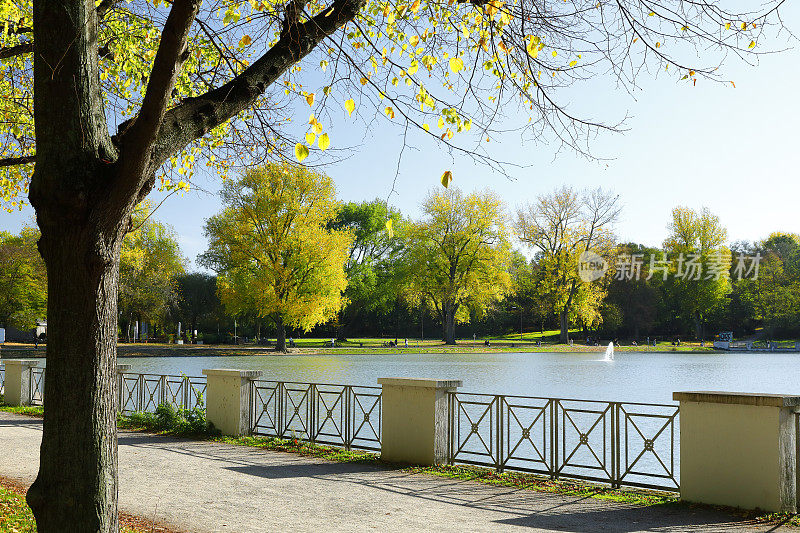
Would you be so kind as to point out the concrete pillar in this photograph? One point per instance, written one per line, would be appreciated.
(414, 419)
(739, 449)
(17, 386)
(228, 399)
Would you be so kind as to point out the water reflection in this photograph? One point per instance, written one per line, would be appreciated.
(633, 376)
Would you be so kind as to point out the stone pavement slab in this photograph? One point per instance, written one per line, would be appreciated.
(210, 487)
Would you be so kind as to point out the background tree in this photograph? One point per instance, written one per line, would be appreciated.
(560, 227)
(773, 298)
(273, 250)
(197, 298)
(23, 280)
(141, 88)
(371, 287)
(457, 256)
(635, 299)
(698, 281)
(150, 264)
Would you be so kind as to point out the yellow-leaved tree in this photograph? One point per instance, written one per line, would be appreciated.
(458, 255)
(272, 248)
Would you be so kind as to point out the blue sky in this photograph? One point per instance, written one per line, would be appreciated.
(734, 150)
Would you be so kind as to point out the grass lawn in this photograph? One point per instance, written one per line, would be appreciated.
(375, 345)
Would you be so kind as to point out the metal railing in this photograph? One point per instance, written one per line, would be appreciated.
(136, 392)
(342, 415)
(145, 392)
(36, 386)
(632, 444)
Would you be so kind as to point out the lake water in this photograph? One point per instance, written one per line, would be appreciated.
(631, 377)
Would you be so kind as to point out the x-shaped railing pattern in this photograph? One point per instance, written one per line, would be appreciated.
(37, 386)
(145, 392)
(343, 415)
(618, 443)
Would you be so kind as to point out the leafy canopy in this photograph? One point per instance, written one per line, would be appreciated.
(150, 263)
(458, 255)
(23, 280)
(449, 68)
(273, 249)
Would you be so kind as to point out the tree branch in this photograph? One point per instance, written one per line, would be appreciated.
(196, 116)
(19, 49)
(138, 138)
(13, 161)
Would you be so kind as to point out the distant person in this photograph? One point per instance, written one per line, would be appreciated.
(634, 343)
(333, 342)
(406, 341)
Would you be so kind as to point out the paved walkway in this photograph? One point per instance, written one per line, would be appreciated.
(209, 487)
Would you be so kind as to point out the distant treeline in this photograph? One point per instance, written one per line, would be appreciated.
(453, 273)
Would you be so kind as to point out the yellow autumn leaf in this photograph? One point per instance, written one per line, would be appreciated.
(533, 46)
(364, 81)
(555, 53)
(415, 6)
(389, 228)
(727, 25)
(573, 63)
(447, 178)
(752, 44)
(389, 112)
(310, 138)
(413, 40)
(244, 41)
(744, 25)
(317, 128)
(324, 142)
(310, 99)
(426, 127)
(300, 151)
(456, 64)
(350, 105)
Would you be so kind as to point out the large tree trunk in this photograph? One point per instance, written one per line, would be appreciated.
(563, 319)
(76, 488)
(280, 342)
(449, 324)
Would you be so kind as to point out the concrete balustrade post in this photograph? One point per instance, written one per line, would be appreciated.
(414, 421)
(228, 399)
(739, 449)
(17, 385)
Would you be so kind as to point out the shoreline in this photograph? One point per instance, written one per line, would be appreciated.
(144, 351)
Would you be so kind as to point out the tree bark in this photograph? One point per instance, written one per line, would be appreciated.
(76, 488)
(563, 319)
(84, 187)
(280, 342)
(449, 324)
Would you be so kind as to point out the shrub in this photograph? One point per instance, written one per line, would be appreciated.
(171, 420)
